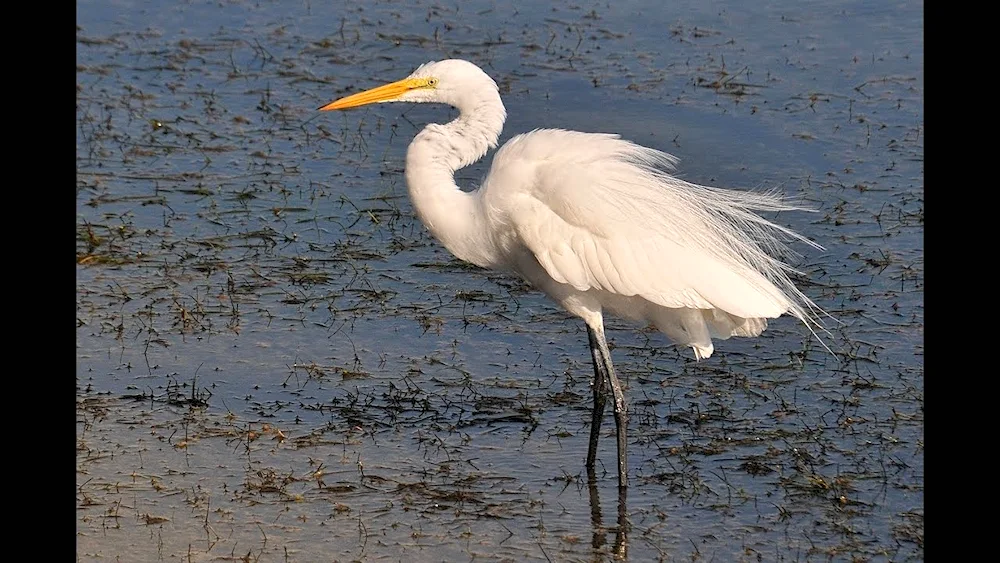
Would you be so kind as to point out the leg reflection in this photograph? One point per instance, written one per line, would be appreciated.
(595, 511)
(621, 533)
(621, 536)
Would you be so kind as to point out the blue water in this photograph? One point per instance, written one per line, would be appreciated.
(266, 254)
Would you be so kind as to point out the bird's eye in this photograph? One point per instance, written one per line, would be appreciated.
(432, 82)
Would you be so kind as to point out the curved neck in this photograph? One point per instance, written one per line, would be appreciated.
(455, 217)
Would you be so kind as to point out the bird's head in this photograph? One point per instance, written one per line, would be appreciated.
(454, 82)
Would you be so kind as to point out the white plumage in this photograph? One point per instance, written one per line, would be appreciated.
(603, 216)
(597, 223)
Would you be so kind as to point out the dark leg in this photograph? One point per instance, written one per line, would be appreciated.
(600, 398)
(605, 370)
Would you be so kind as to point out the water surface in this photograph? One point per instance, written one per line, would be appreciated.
(276, 362)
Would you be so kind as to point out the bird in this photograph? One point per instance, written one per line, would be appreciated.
(599, 224)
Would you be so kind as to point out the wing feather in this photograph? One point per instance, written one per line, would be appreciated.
(602, 213)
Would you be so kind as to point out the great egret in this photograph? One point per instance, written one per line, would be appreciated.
(596, 222)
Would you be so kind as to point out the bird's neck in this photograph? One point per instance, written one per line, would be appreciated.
(454, 217)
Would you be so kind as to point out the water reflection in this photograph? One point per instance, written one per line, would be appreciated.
(596, 520)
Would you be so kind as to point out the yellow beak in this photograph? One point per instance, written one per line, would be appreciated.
(386, 93)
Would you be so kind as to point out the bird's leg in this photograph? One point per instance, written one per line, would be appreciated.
(602, 363)
(600, 398)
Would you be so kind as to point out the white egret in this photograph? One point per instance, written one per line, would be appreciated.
(597, 223)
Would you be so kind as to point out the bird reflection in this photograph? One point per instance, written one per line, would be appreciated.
(599, 531)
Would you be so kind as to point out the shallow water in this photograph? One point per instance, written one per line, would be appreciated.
(276, 362)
